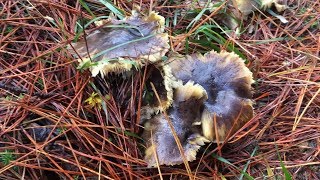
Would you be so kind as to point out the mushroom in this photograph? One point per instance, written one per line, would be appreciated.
(235, 11)
(184, 115)
(227, 82)
(200, 94)
(212, 92)
(120, 44)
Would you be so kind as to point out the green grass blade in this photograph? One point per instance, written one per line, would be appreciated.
(85, 6)
(113, 9)
(281, 18)
(76, 37)
(175, 18)
(266, 41)
(227, 162)
(128, 133)
(206, 43)
(285, 171)
(247, 164)
(198, 17)
(94, 20)
(219, 39)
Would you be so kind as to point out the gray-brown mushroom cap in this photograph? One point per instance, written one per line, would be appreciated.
(120, 44)
(227, 82)
(184, 115)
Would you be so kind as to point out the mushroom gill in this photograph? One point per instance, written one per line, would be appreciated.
(161, 77)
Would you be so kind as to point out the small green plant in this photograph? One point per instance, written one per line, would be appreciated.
(40, 83)
(8, 98)
(6, 157)
(94, 100)
(8, 30)
(61, 130)
(209, 33)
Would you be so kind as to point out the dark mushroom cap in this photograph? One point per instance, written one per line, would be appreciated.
(184, 116)
(227, 82)
(220, 99)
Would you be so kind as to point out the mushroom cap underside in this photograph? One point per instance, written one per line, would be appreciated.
(162, 79)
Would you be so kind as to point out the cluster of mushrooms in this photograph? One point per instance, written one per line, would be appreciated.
(203, 98)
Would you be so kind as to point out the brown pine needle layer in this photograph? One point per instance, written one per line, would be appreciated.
(47, 130)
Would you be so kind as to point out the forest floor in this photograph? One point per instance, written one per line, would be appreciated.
(49, 131)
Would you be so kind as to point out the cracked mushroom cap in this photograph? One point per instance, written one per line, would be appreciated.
(185, 115)
(227, 82)
(120, 44)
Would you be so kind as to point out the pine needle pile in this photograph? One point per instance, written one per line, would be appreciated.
(57, 123)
